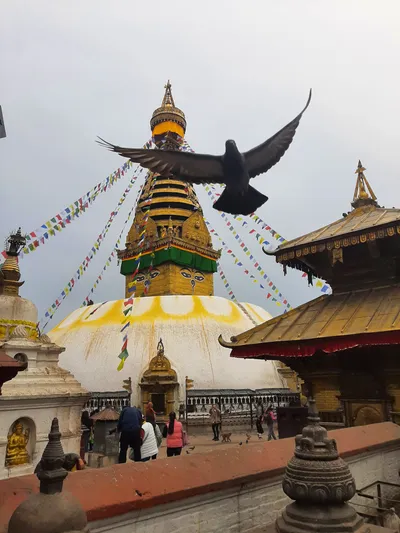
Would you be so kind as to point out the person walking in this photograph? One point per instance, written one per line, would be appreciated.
(173, 432)
(129, 426)
(86, 427)
(270, 420)
(150, 414)
(215, 418)
(259, 418)
(149, 448)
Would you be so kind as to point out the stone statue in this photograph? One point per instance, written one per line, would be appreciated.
(233, 169)
(17, 441)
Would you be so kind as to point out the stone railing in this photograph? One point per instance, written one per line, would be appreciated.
(238, 408)
(233, 489)
(117, 400)
(332, 419)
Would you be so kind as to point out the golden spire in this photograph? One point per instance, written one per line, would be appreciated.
(168, 99)
(167, 118)
(9, 271)
(363, 193)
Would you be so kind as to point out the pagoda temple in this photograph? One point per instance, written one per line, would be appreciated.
(168, 265)
(343, 345)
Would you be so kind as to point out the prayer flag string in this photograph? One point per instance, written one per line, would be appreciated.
(226, 283)
(272, 287)
(93, 251)
(61, 220)
(113, 253)
(320, 283)
(128, 302)
(268, 290)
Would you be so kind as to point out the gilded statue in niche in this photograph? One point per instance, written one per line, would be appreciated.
(17, 442)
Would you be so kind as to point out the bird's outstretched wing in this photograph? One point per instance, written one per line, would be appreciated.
(266, 155)
(194, 168)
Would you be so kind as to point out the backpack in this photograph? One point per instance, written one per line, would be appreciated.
(158, 435)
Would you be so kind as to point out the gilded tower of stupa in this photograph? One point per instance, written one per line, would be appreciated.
(177, 256)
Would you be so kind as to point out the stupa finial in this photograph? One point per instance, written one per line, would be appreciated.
(52, 472)
(363, 193)
(168, 99)
(9, 272)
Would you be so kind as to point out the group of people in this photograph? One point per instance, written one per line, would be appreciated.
(143, 436)
(263, 415)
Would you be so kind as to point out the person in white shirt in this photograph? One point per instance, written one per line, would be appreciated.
(149, 448)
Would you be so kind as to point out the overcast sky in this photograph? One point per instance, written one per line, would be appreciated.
(239, 69)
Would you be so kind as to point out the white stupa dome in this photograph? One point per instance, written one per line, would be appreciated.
(189, 327)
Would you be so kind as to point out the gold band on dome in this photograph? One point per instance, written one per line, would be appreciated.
(7, 326)
(165, 127)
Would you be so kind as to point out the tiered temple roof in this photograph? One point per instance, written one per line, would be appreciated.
(359, 256)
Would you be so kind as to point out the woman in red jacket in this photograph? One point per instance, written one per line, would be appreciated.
(174, 433)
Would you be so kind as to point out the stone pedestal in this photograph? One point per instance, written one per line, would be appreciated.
(321, 484)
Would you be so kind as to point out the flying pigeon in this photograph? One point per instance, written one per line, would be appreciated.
(234, 169)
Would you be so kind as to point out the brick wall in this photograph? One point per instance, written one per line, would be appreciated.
(325, 391)
(229, 491)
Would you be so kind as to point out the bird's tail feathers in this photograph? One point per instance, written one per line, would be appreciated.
(236, 204)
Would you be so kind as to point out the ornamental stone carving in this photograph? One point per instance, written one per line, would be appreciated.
(320, 482)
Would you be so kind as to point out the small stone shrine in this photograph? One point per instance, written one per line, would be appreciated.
(106, 440)
(320, 483)
(51, 510)
(41, 389)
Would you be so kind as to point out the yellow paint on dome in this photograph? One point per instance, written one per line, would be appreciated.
(153, 309)
(72, 318)
(224, 307)
(141, 306)
(175, 306)
(98, 311)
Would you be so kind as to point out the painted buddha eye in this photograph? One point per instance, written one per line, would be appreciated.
(199, 276)
(154, 274)
(186, 274)
(140, 278)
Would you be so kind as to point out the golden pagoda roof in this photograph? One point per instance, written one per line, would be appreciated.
(367, 221)
(323, 321)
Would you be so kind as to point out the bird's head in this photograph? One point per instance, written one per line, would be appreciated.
(230, 146)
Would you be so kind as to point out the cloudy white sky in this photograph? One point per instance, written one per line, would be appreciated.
(239, 69)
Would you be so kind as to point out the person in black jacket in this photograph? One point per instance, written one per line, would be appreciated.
(129, 425)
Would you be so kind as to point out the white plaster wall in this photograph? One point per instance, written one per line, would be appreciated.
(41, 411)
(189, 327)
(244, 509)
(17, 308)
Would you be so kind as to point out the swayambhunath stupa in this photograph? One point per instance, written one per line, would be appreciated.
(169, 322)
